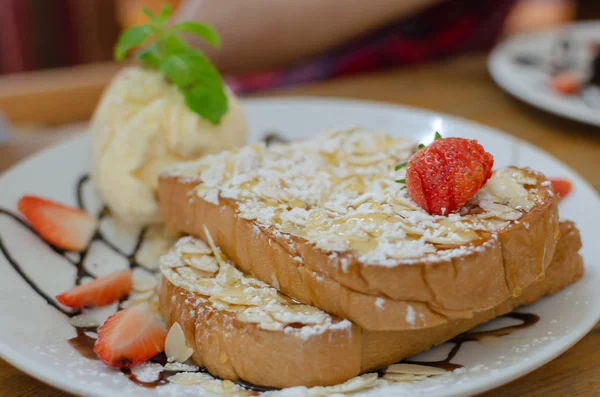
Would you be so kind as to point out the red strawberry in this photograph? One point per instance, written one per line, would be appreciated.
(562, 187)
(443, 176)
(130, 337)
(99, 292)
(64, 227)
(566, 83)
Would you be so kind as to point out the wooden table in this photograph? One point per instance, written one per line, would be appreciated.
(463, 88)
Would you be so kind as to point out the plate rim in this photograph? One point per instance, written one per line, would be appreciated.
(512, 372)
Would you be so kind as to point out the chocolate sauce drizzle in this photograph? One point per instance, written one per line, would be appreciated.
(84, 344)
(527, 320)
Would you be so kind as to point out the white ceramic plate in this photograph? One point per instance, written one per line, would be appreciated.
(33, 335)
(531, 83)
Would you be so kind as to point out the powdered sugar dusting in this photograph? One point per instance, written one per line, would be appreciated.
(338, 191)
(411, 315)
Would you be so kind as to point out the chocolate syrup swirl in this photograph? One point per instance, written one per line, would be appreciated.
(273, 137)
(527, 320)
(84, 344)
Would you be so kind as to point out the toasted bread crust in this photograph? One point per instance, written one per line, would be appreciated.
(375, 297)
(235, 350)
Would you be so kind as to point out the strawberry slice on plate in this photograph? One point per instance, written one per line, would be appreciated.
(562, 187)
(130, 337)
(99, 292)
(62, 226)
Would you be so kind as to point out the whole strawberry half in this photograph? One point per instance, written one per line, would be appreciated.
(443, 176)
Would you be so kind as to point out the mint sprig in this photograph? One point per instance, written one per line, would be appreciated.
(162, 48)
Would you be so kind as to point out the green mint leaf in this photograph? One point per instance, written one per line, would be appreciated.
(173, 45)
(153, 18)
(199, 82)
(400, 181)
(437, 136)
(400, 166)
(132, 38)
(421, 146)
(161, 19)
(165, 13)
(199, 29)
(150, 56)
(403, 187)
(188, 69)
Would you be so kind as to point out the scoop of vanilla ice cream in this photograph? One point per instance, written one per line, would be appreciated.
(142, 126)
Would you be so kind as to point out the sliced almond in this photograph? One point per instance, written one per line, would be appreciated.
(206, 263)
(227, 275)
(196, 247)
(137, 298)
(194, 274)
(143, 295)
(274, 326)
(215, 250)
(176, 347)
(143, 280)
(157, 241)
(236, 304)
(353, 385)
(154, 305)
(403, 377)
(254, 315)
(181, 367)
(287, 317)
(415, 369)
(225, 388)
(84, 320)
(237, 296)
(190, 378)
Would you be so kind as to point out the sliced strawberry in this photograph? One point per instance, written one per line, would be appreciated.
(130, 337)
(562, 187)
(566, 83)
(65, 227)
(99, 292)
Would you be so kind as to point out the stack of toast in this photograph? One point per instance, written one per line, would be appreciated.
(309, 264)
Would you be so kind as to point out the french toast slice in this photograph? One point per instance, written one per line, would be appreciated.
(240, 328)
(324, 222)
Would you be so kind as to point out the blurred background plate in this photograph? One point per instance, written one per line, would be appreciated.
(522, 66)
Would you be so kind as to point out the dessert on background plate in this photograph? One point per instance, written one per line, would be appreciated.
(557, 70)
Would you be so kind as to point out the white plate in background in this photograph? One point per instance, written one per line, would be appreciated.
(531, 84)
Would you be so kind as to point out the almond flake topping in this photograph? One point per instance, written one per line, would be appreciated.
(415, 369)
(337, 191)
(176, 347)
(248, 299)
